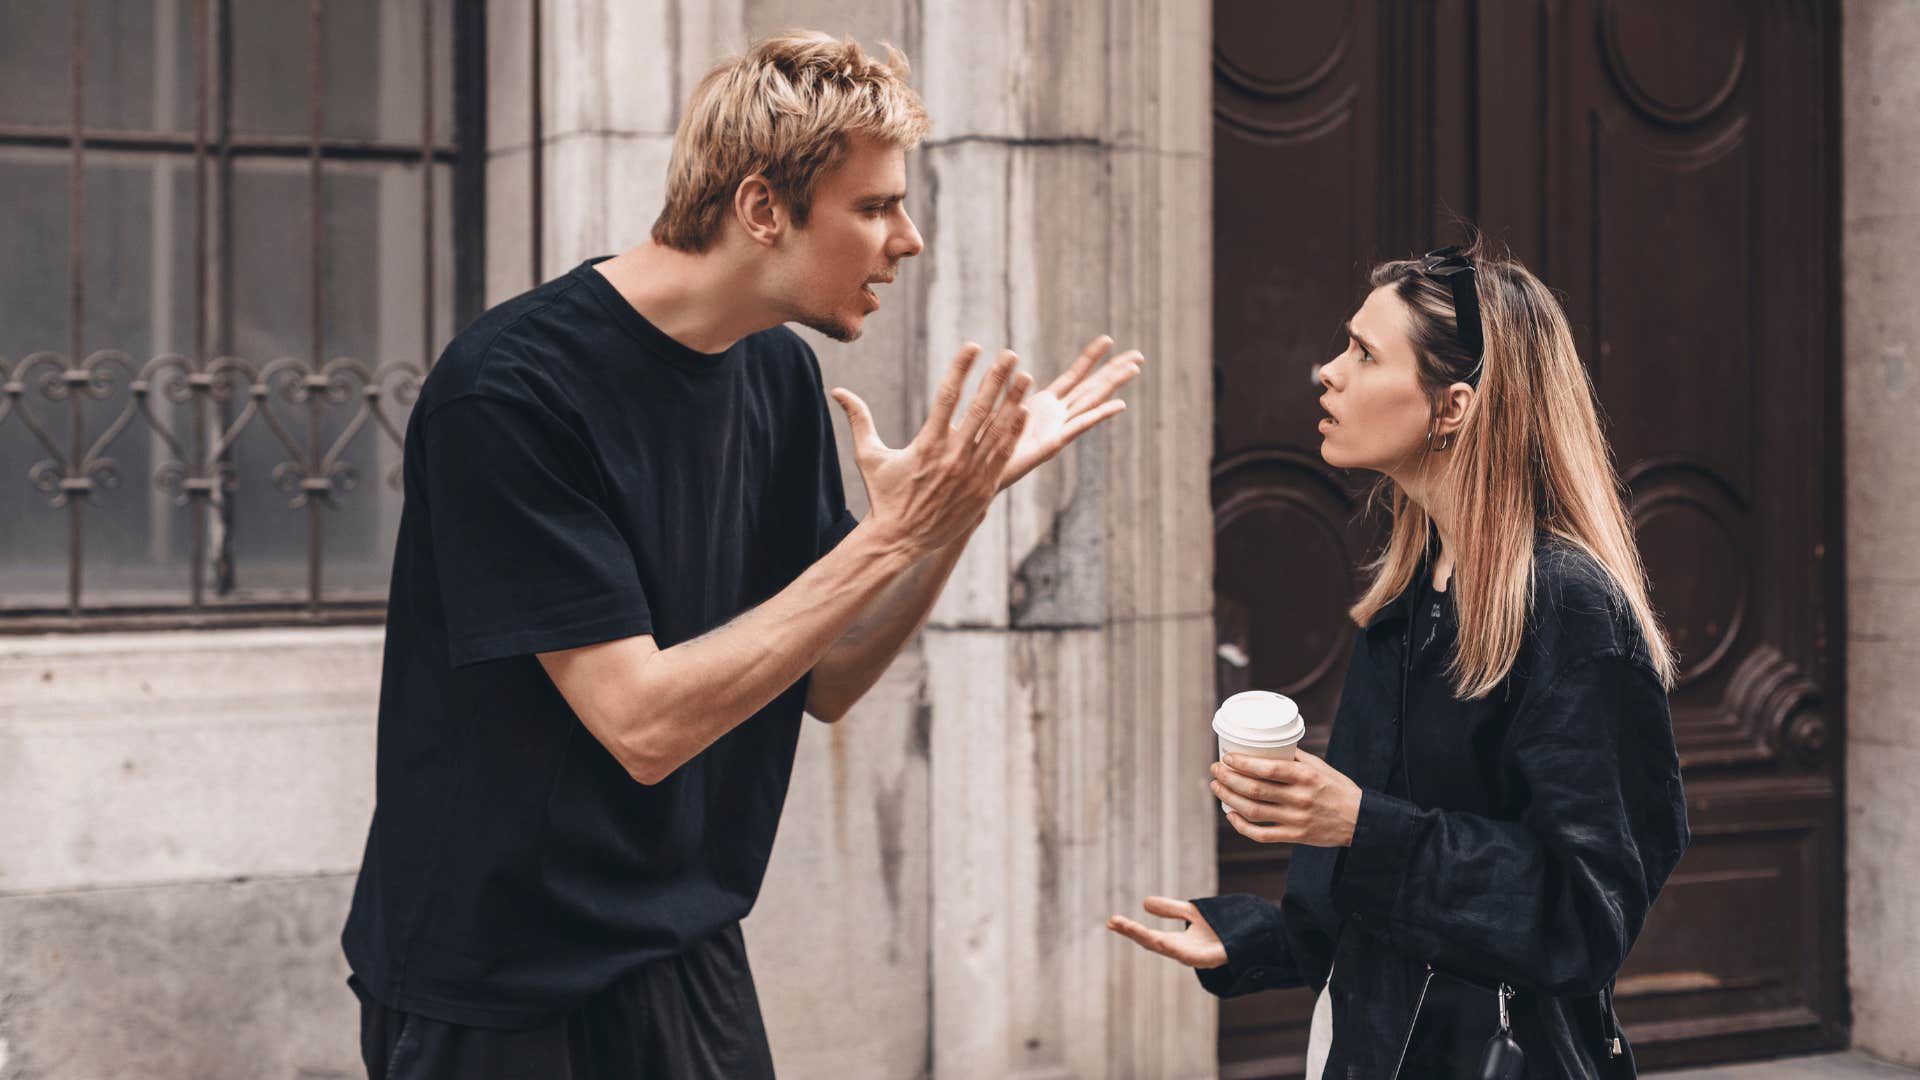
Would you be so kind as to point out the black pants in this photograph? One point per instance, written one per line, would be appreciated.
(691, 1016)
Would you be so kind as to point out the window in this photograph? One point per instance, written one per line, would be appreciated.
(237, 233)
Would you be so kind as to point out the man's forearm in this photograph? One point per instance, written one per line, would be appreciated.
(685, 697)
(856, 661)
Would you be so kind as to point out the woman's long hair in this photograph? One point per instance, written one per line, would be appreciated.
(1530, 459)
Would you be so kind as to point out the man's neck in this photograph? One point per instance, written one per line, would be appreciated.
(705, 302)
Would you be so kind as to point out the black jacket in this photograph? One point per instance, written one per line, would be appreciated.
(1522, 840)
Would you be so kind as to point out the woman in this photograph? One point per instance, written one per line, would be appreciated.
(1500, 801)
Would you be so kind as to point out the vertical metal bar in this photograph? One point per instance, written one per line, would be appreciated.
(198, 505)
(536, 148)
(316, 399)
(470, 161)
(225, 576)
(426, 179)
(76, 300)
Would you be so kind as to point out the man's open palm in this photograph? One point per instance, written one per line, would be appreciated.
(1071, 406)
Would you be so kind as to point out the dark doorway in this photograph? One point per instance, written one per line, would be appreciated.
(1673, 169)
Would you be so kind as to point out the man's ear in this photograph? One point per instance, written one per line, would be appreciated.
(759, 211)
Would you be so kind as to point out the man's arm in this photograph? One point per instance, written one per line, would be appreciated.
(654, 709)
(1068, 408)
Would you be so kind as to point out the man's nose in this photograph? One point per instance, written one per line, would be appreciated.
(907, 244)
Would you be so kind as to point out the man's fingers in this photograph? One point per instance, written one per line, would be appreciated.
(1076, 371)
(1004, 417)
(1117, 373)
(1081, 424)
(986, 399)
(947, 398)
(860, 420)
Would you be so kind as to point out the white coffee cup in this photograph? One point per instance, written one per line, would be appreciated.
(1260, 723)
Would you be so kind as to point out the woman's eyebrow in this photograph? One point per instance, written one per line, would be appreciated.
(1347, 329)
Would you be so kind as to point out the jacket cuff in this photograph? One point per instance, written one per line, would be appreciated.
(1368, 883)
(1250, 928)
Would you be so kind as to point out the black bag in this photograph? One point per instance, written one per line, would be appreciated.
(1445, 1038)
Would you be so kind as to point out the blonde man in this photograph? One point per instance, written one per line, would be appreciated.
(625, 567)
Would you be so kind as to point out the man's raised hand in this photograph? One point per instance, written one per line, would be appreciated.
(930, 492)
(1071, 406)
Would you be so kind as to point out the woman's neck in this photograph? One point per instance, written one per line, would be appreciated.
(1431, 495)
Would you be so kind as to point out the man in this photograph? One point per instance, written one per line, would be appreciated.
(626, 565)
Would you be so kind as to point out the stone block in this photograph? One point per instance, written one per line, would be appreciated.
(1880, 108)
(976, 86)
(1883, 695)
(509, 67)
(145, 758)
(967, 299)
(602, 193)
(1160, 267)
(1883, 897)
(509, 225)
(608, 67)
(843, 914)
(214, 980)
(1059, 799)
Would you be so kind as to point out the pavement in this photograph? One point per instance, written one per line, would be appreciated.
(1817, 1067)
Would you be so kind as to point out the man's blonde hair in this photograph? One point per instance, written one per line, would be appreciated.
(785, 110)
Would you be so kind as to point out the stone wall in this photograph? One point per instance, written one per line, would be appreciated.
(183, 812)
(1880, 100)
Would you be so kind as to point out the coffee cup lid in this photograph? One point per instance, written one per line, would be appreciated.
(1259, 717)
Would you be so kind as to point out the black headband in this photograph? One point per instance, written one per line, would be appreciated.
(1448, 264)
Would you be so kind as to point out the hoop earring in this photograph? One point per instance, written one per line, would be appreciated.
(1445, 441)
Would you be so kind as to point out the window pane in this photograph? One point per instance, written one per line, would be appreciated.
(372, 280)
(140, 65)
(33, 317)
(372, 68)
(36, 62)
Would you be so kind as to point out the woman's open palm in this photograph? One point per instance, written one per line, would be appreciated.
(1197, 946)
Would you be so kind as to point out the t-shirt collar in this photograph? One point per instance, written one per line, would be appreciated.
(657, 341)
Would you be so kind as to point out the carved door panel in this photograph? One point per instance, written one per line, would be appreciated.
(1633, 154)
(1297, 196)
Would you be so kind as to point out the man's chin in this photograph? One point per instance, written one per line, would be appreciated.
(837, 327)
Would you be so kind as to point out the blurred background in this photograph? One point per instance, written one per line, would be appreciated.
(238, 233)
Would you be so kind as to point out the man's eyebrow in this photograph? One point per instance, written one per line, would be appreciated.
(1347, 329)
(883, 197)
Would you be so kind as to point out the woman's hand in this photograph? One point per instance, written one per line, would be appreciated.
(1303, 801)
(1197, 946)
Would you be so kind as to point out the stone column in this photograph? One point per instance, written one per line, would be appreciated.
(1880, 99)
(1069, 667)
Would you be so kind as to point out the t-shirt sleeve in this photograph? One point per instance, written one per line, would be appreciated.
(528, 559)
(832, 520)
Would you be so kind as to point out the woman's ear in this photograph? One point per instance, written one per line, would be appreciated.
(1453, 409)
(760, 214)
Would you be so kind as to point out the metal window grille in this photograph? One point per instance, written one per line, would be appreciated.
(223, 441)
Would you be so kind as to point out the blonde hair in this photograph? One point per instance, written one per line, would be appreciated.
(1530, 459)
(785, 110)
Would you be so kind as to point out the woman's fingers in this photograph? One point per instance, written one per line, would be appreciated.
(1251, 809)
(1278, 770)
(1263, 834)
(1159, 941)
(1171, 909)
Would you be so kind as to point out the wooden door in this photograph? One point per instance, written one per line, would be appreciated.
(1672, 169)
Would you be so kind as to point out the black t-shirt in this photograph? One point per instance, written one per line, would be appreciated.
(573, 475)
